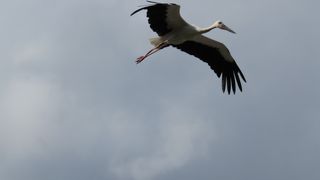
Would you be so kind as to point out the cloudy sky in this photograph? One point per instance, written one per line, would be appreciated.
(75, 106)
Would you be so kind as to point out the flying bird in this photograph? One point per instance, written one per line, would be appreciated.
(173, 30)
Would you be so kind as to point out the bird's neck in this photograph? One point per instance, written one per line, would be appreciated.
(207, 29)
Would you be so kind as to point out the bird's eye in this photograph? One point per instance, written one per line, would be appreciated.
(220, 22)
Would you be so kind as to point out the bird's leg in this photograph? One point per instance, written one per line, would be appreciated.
(149, 53)
(152, 51)
(141, 58)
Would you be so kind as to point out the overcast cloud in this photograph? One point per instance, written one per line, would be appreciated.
(75, 106)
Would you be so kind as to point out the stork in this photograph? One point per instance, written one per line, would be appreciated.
(173, 30)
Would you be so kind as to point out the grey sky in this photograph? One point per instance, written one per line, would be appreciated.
(74, 105)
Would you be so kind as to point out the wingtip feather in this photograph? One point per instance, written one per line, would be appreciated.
(238, 81)
(144, 7)
(224, 82)
(229, 84)
(233, 83)
(134, 12)
(242, 76)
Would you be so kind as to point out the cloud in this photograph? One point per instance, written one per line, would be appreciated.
(27, 107)
(74, 105)
(180, 139)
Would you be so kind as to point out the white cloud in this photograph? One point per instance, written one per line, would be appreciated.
(181, 138)
(27, 106)
(74, 105)
(34, 50)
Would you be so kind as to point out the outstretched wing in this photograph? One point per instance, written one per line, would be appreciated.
(163, 17)
(219, 59)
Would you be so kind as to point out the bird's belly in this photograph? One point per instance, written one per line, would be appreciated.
(181, 36)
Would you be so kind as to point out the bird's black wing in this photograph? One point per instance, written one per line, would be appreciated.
(163, 17)
(219, 59)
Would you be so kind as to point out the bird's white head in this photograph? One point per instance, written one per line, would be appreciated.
(219, 24)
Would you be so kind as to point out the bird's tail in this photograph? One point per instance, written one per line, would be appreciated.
(156, 41)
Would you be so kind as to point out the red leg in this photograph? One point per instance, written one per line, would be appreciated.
(149, 53)
(141, 58)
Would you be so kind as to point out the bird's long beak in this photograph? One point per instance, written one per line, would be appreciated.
(224, 27)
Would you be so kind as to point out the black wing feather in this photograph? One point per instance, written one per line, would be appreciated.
(229, 70)
(157, 15)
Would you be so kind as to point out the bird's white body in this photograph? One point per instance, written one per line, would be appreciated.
(182, 34)
(178, 36)
(173, 30)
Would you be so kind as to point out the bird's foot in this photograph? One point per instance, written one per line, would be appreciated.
(140, 59)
